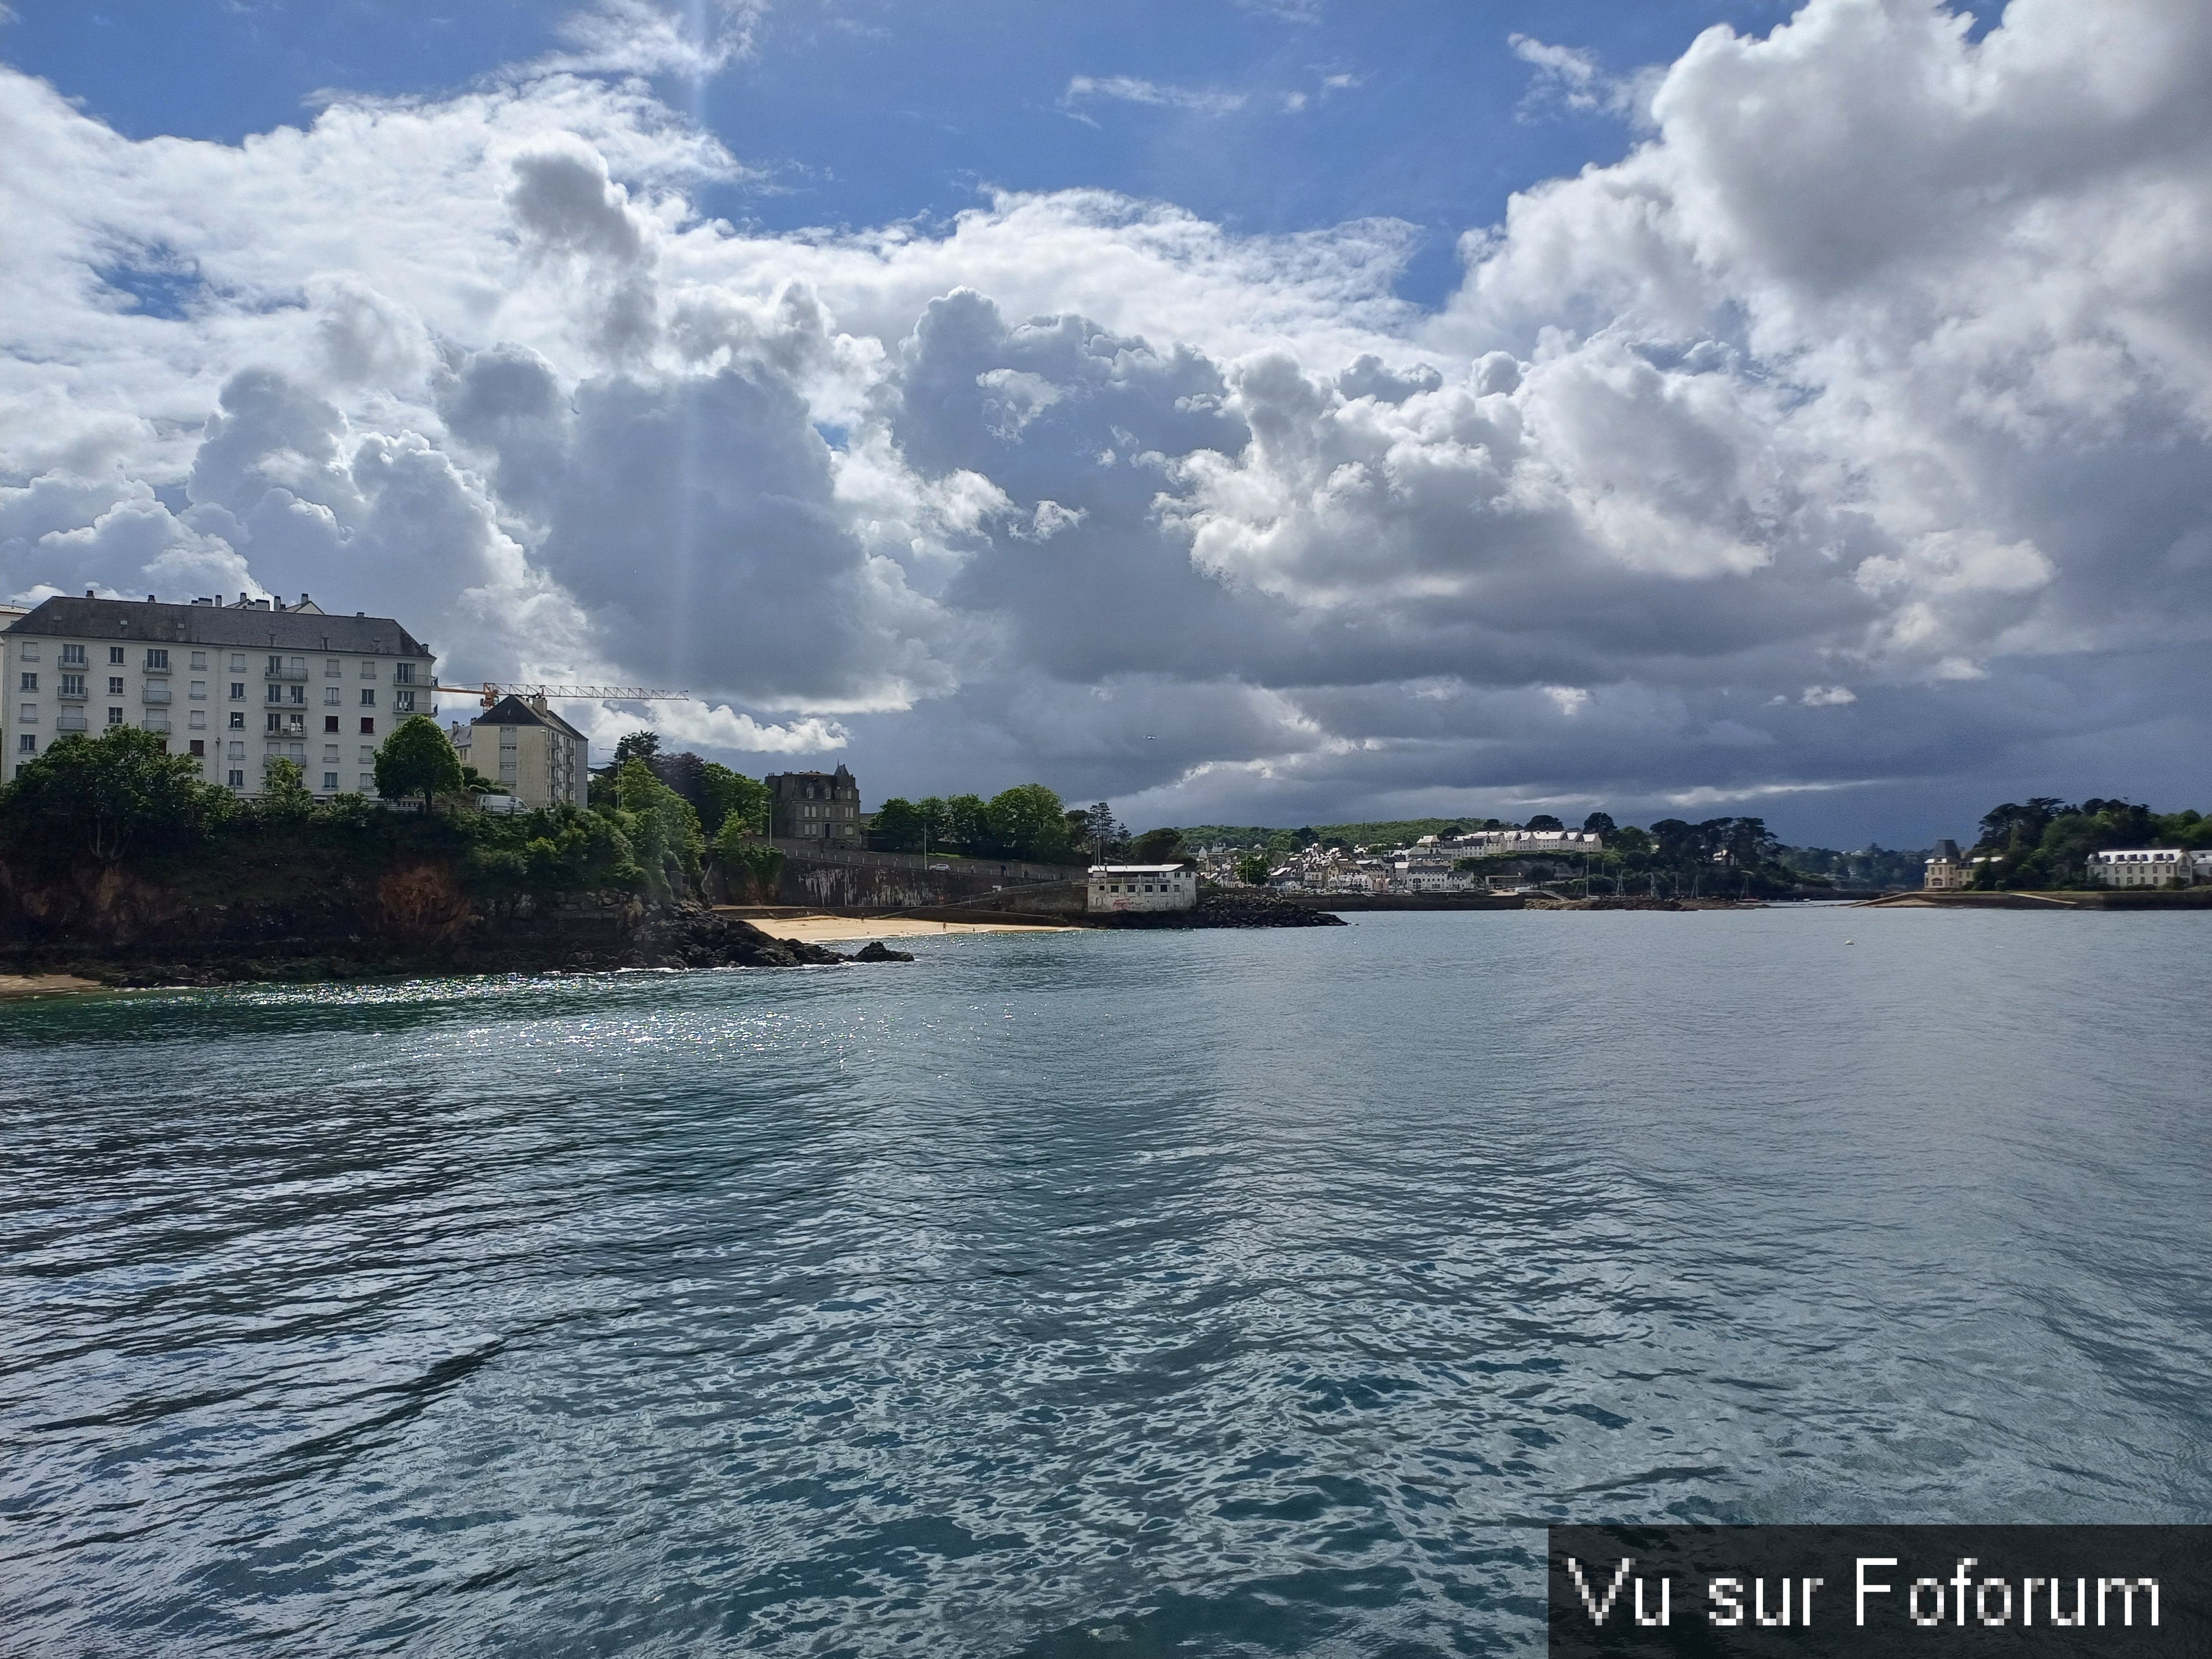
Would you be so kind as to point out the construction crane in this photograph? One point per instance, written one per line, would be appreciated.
(492, 691)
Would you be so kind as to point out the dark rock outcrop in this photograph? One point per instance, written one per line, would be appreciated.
(877, 950)
(1227, 907)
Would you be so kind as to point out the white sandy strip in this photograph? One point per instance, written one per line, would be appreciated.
(834, 930)
(44, 985)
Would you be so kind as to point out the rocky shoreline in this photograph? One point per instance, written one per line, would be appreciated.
(679, 936)
(1225, 908)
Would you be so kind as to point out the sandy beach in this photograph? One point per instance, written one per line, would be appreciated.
(43, 985)
(819, 929)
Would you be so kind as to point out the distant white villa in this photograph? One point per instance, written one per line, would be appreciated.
(2149, 866)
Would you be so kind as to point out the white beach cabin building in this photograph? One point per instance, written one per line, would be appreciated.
(1142, 887)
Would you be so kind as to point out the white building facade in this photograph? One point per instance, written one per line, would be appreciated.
(1141, 887)
(536, 756)
(2146, 867)
(235, 686)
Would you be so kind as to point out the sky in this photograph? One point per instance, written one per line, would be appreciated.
(1278, 412)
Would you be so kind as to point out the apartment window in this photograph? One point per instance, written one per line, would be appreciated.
(275, 719)
(157, 660)
(368, 728)
(237, 750)
(115, 717)
(368, 671)
(276, 665)
(237, 720)
(330, 722)
(199, 689)
(28, 683)
(369, 697)
(28, 652)
(238, 662)
(367, 753)
(402, 702)
(72, 685)
(28, 714)
(330, 696)
(199, 660)
(368, 783)
(115, 656)
(72, 656)
(331, 781)
(199, 747)
(329, 754)
(115, 685)
(333, 667)
(275, 692)
(197, 719)
(235, 779)
(299, 694)
(402, 673)
(26, 744)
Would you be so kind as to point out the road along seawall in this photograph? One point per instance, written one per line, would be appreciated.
(2120, 898)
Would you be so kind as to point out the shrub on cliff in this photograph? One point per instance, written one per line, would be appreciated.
(750, 866)
(558, 851)
(661, 826)
(112, 796)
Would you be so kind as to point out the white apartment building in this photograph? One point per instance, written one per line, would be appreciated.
(1141, 887)
(235, 686)
(1505, 843)
(541, 759)
(2148, 867)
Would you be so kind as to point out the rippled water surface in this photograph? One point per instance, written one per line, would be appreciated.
(1088, 1293)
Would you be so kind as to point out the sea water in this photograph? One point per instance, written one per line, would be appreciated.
(1089, 1293)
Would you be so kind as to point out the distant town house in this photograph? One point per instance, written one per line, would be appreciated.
(822, 806)
(236, 686)
(1949, 868)
(539, 758)
(1141, 887)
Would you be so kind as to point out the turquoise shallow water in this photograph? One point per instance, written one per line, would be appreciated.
(1089, 1293)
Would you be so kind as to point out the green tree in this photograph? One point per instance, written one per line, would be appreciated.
(1157, 847)
(418, 759)
(897, 828)
(636, 745)
(733, 796)
(110, 796)
(285, 797)
(968, 825)
(1027, 821)
(1252, 870)
(1598, 823)
(749, 863)
(661, 825)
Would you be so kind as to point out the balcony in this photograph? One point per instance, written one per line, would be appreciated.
(299, 673)
(155, 723)
(153, 692)
(69, 693)
(69, 719)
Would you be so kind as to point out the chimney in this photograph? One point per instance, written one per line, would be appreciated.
(88, 592)
(242, 602)
(150, 599)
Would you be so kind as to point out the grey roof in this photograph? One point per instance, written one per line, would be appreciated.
(1948, 851)
(513, 711)
(219, 624)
